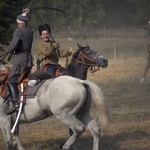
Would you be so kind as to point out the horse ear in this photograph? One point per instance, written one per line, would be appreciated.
(80, 47)
(88, 46)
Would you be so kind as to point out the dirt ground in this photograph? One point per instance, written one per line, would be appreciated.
(130, 113)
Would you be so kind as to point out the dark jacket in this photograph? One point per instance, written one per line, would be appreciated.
(21, 47)
(22, 59)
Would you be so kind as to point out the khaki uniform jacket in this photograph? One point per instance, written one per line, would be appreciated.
(48, 54)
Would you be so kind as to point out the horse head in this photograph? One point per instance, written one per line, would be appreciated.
(90, 57)
(83, 59)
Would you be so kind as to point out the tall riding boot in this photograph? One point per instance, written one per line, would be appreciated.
(14, 95)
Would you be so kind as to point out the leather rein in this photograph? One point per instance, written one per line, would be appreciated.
(92, 65)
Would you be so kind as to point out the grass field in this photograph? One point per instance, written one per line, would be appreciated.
(128, 99)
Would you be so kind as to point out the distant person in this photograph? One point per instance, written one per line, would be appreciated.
(147, 66)
(49, 51)
(148, 28)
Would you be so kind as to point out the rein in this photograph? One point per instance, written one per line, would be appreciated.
(67, 60)
(92, 64)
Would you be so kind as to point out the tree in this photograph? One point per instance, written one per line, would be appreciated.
(79, 14)
(142, 12)
(9, 10)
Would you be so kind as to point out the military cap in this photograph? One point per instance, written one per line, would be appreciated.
(22, 19)
(44, 27)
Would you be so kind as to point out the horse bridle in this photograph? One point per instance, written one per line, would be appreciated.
(84, 57)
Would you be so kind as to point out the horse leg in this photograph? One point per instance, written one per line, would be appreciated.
(70, 134)
(16, 138)
(5, 124)
(77, 128)
(93, 127)
(73, 146)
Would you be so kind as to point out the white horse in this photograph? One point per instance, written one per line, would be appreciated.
(68, 99)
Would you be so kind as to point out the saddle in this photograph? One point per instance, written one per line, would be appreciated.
(60, 71)
(29, 92)
(4, 91)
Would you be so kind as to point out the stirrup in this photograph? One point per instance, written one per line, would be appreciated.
(11, 111)
(14, 109)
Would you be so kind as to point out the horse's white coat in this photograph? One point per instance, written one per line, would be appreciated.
(68, 99)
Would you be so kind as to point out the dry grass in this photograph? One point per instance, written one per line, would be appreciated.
(129, 102)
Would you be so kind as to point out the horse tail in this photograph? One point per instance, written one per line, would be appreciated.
(99, 101)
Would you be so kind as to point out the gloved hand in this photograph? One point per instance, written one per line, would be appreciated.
(70, 52)
(25, 10)
(56, 45)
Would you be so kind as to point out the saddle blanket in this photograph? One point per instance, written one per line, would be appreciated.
(31, 91)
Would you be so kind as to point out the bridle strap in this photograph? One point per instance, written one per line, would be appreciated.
(92, 64)
(67, 59)
(85, 56)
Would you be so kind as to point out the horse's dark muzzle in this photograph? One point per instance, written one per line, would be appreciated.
(105, 63)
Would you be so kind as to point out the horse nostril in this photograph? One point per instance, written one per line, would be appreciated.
(105, 61)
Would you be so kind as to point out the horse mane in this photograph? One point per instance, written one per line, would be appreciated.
(76, 54)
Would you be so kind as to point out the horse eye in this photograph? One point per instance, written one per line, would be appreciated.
(89, 52)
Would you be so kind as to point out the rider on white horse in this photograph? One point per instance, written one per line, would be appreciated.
(22, 61)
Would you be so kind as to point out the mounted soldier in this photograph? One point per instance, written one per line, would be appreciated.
(22, 62)
(49, 51)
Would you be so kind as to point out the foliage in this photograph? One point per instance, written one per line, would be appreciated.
(142, 11)
(81, 14)
(9, 10)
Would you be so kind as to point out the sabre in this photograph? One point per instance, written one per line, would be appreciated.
(26, 10)
(47, 8)
(20, 109)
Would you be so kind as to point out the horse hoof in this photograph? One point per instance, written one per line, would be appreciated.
(21, 148)
(74, 148)
(142, 81)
